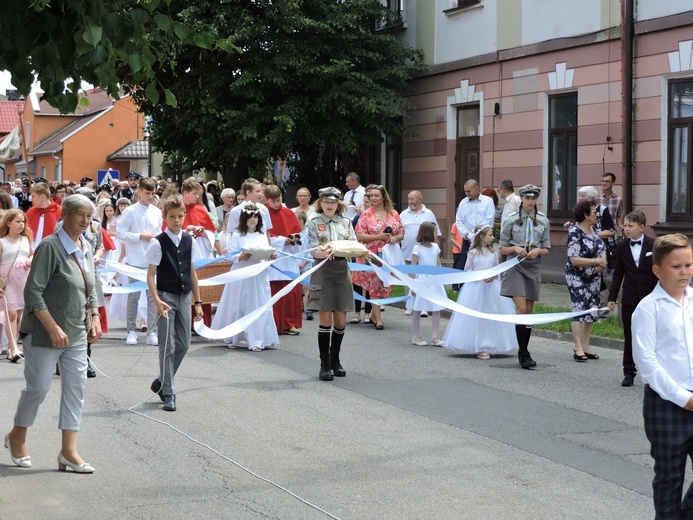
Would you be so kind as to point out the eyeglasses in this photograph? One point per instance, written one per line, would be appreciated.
(608, 181)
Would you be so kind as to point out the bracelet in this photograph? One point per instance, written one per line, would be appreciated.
(198, 303)
(95, 314)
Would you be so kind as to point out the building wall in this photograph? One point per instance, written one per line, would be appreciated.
(516, 54)
(85, 152)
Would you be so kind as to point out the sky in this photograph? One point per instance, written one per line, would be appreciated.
(5, 82)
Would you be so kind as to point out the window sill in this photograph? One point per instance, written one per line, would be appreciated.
(673, 226)
(463, 9)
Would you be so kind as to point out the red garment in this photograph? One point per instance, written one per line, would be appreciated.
(284, 222)
(51, 215)
(288, 311)
(195, 215)
(108, 243)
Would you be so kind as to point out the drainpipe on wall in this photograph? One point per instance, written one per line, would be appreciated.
(627, 32)
(60, 167)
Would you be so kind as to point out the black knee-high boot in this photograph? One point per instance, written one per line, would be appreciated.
(335, 347)
(324, 346)
(90, 370)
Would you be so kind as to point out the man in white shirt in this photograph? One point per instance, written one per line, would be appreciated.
(252, 189)
(412, 218)
(354, 197)
(662, 349)
(474, 210)
(512, 200)
(136, 227)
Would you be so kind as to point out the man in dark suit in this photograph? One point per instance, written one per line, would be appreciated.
(633, 268)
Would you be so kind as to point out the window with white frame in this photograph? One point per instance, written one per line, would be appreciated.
(563, 137)
(679, 169)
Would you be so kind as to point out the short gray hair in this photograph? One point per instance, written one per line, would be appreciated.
(588, 191)
(228, 191)
(74, 203)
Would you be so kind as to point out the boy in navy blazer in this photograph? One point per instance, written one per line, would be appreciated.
(633, 268)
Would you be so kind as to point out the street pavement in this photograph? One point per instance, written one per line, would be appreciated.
(411, 433)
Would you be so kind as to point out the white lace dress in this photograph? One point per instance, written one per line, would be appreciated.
(472, 335)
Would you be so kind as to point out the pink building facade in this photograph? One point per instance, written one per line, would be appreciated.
(553, 113)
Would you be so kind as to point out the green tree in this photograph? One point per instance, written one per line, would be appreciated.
(311, 74)
(107, 43)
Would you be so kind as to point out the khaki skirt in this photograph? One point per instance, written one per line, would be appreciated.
(330, 287)
(522, 280)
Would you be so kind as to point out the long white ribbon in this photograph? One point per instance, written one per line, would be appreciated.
(518, 319)
(241, 324)
(132, 272)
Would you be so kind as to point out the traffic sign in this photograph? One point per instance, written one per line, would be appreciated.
(109, 175)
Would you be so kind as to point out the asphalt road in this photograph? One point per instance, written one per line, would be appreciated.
(411, 432)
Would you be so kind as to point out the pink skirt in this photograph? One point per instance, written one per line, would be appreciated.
(14, 292)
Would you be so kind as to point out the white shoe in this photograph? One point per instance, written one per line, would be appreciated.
(408, 312)
(436, 342)
(424, 314)
(132, 338)
(152, 339)
(419, 341)
(63, 464)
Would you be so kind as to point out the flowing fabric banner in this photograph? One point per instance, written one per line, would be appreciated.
(240, 325)
(517, 319)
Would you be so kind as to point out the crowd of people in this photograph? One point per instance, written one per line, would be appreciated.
(54, 236)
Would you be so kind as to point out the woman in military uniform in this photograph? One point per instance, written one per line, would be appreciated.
(330, 291)
(525, 234)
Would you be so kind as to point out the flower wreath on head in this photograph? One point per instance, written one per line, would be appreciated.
(250, 209)
(481, 231)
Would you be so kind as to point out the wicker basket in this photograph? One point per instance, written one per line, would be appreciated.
(212, 294)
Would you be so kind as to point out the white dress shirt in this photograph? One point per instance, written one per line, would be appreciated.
(357, 196)
(411, 221)
(663, 344)
(154, 254)
(636, 249)
(137, 219)
(512, 204)
(473, 213)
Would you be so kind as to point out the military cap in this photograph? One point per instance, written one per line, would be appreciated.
(530, 190)
(329, 193)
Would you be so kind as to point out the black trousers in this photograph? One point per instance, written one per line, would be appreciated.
(669, 428)
(628, 363)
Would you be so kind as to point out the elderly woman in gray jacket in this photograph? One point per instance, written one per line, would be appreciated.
(59, 299)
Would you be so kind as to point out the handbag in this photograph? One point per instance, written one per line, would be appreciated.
(87, 307)
(4, 279)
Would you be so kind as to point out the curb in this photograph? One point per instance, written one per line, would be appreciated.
(596, 341)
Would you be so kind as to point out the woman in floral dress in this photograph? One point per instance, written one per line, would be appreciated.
(583, 274)
(378, 225)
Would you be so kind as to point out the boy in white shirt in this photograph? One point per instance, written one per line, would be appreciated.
(136, 227)
(662, 349)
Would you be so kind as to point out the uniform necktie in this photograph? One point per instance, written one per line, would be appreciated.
(333, 230)
(529, 233)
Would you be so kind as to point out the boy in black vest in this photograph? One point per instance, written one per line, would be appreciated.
(170, 258)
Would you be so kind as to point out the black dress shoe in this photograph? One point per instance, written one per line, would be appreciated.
(628, 380)
(156, 388)
(90, 371)
(338, 371)
(326, 374)
(526, 360)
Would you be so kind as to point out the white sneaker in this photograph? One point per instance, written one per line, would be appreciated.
(424, 314)
(132, 338)
(152, 339)
(408, 312)
(419, 341)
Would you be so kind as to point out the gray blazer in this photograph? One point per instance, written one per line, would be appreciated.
(55, 284)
